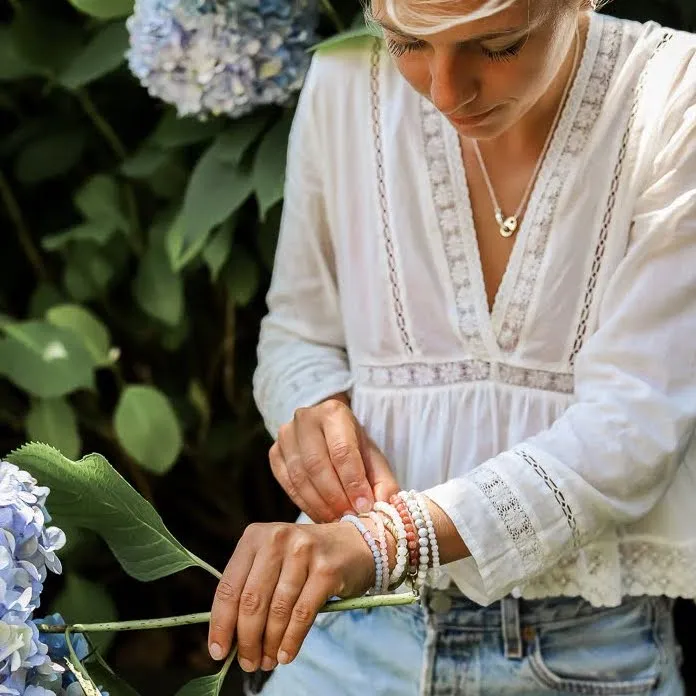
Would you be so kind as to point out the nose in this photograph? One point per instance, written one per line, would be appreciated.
(452, 84)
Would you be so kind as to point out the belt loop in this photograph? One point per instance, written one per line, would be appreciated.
(510, 620)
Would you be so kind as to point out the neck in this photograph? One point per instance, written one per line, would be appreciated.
(531, 131)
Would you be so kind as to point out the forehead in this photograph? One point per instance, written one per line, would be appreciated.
(469, 15)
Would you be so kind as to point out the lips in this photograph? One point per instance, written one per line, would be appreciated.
(474, 118)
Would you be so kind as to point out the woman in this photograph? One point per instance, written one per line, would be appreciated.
(484, 291)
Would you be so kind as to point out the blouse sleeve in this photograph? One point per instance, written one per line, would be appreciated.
(301, 353)
(612, 455)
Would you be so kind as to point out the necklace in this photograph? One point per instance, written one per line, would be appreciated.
(508, 225)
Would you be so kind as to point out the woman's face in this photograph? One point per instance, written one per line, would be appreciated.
(484, 75)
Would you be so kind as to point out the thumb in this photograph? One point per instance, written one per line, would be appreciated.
(379, 474)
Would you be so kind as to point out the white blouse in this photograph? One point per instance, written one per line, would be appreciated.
(557, 430)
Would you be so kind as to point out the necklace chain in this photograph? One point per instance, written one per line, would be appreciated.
(508, 225)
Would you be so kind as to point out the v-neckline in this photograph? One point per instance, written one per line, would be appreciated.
(497, 329)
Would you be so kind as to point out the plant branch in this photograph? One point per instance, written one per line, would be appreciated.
(228, 351)
(23, 234)
(369, 602)
(333, 15)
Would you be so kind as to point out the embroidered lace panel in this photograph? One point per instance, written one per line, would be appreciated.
(511, 513)
(461, 372)
(609, 211)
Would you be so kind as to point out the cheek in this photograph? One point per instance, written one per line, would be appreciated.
(416, 71)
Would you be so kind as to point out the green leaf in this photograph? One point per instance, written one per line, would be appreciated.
(87, 232)
(47, 361)
(218, 248)
(87, 327)
(12, 65)
(99, 201)
(175, 131)
(53, 421)
(103, 54)
(269, 165)
(90, 493)
(210, 685)
(267, 239)
(49, 157)
(83, 601)
(215, 191)
(351, 37)
(104, 676)
(88, 271)
(242, 276)
(145, 162)
(158, 289)
(43, 41)
(43, 298)
(231, 145)
(148, 429)
(104, 9)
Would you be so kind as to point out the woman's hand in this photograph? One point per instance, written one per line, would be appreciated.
(327, 465)
(278, 578)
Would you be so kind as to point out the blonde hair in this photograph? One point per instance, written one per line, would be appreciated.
(425, 17)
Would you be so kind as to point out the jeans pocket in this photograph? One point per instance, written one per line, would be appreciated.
(613, 652)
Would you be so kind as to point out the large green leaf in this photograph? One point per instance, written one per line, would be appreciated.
(104, 676)
(207, 686)
(104, 53)
(45, 360)
(99, 201)
(104, 9)
(87, 232)
(44, 297)
(145, 162)
(175, 131)
(269, 165)
(242, 276)
(148, 429)
(233, 143)
(158, 289)
(351, 37)
(216, 190)
(90, 493)
(83, 601)
(86, 326)
(50, 156)
(88, 271)
(53, 421)
(13, 66)
(218, 248)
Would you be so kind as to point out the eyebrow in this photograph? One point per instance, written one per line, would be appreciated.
(481, 37)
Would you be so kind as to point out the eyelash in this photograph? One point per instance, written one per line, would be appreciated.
(399, 49)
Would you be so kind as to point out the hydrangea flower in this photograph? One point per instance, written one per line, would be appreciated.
(221, 56)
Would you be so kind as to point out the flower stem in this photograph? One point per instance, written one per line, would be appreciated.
(188, 619)
(333, 15)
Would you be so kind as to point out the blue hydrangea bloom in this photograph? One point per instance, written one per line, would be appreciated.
(221, 56)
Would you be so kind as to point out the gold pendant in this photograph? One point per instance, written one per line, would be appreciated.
(508, 226)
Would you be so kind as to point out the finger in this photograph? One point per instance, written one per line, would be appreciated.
(317, 509)
(293, 577)
(313, 596)
(280, 472)
(343, 444)
(254, 602)
(223, 616)
(320, 468)
(379, 474)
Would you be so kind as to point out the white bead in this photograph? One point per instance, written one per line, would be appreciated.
(422, 533)
(423, 542)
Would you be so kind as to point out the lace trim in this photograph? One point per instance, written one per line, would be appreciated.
(609, 212)
(448, 218)
(603, 574)
(511, 513)
(576, 140)
(558, 494)
(382, 195)
(462, 372)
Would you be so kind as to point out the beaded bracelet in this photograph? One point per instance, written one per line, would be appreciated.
(434, 548)
(423, 538)
(365, 533)
(411, 538)
(395, 525)
(382, 538)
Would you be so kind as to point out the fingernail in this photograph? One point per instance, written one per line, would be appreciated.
(268, 664)
(246, 665)
(216, 651)
(363, 505)
(283, 657)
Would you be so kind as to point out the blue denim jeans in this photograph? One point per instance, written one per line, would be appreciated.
(450, 646)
